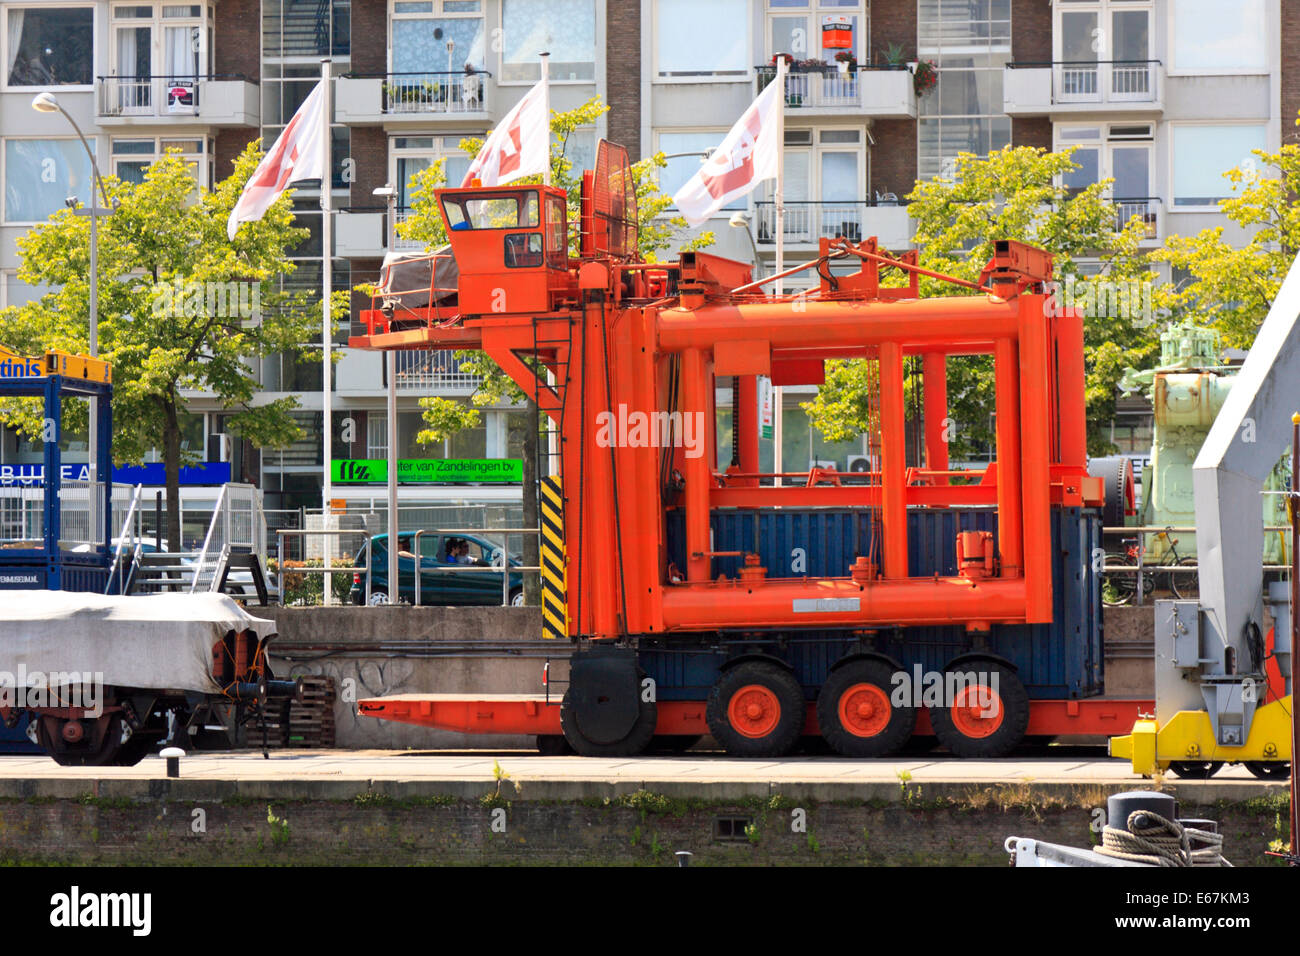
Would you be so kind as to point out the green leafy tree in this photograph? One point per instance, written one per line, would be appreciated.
(1013, 193)
(1231, 286)
(444, 417)
(180, 308)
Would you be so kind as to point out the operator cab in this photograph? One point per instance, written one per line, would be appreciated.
(511, 247)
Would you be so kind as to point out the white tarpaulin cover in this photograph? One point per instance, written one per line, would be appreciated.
(155, 641)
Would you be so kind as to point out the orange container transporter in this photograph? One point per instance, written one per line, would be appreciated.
(712, 597)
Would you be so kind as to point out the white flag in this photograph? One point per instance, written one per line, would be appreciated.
(746, 158)
(298, 153)
(519, 146)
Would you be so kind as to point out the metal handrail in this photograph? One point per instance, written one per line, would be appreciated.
(326, 568)
(127, 527)
(1039, 64)
(217, 512)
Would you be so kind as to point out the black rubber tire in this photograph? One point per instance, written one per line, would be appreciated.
(136, 749)
(890, 740)
(1186, 585)
(1123, 586)
(553, 745)
(1268, 769)
(1116, 473)
(1015, 716)
(919, 744)
(784, 736)
(517, 598)
(635, 742)
(1195, 769)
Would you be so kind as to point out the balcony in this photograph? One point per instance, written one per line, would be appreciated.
(360, 233)
(396, 99)
(1065, 88)
(808, 222)
(433, 370)
(1146, 208)
(877, 92)
(219, 100)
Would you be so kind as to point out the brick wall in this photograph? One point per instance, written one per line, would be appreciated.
(623, 74)
(892, 21)
(893, 158)
(237, 38)
(1290, 72)
(230, 143)
(369, 151)
(369, 36)
(1031, 131)
(1031, 31)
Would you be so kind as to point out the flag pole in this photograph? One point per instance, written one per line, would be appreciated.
(327, 330)
(778, 407)
(546, 111)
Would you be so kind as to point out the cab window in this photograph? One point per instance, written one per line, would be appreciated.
(523, 250)
(495, 211)
(557, 253)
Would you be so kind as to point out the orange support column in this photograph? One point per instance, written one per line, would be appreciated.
(1036, 470)
(695, 401)
(597, 479)
(893, 465)
(1006, 368)
(1070, 389)
(935, 372)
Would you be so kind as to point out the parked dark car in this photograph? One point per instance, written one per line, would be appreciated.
(440, 581)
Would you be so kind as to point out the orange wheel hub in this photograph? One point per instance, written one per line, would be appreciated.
(754, 711)
(977, 712)
(864, 710)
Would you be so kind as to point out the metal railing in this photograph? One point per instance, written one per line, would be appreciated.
(808, 222)
(80, 512)
(128, 542)
(1146, 208)
(823, 87)
(153, 95)
(432, 92)
(432, 369)
(237, 523)
(1160, 568)
(500, 563)
(1102, 81)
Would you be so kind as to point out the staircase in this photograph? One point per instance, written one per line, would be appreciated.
(229, 562)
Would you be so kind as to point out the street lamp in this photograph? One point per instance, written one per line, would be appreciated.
(47, 103)
(389, 195)
(739, 220)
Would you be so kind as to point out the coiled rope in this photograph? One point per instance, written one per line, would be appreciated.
(1151, 839)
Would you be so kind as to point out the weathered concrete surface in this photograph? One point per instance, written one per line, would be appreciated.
(373, 652)
(385, 809)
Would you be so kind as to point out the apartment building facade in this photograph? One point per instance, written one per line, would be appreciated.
(1162, 95)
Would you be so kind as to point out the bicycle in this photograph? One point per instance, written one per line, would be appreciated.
(1173, 572)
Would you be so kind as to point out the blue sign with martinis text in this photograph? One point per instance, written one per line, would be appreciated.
(155, 473)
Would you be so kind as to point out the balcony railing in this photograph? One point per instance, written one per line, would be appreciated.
(1146, 208)
(824, 87)
(807, 222)
(1101, 81)
(432, 370)
(452, 93)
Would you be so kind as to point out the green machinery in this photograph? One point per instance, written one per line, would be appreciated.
(1187, 390)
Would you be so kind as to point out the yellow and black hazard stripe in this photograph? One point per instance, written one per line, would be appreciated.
(554, 607)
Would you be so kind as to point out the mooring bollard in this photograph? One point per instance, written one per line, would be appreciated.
(683, 857)
(173, 757)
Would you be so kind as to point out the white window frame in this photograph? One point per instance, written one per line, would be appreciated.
(744, 76)
(598, 54)
(202, 160)
(721, 134)
(437, 13)
(814, 12)
(96, 40)
(1269, 144)
(156, 25)
(1172, 69)
(1105, 146)
(94, 139)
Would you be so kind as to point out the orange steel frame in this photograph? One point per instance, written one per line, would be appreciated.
(614, 347)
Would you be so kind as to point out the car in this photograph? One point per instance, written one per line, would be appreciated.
(440, 582)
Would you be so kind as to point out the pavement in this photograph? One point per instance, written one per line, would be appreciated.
(335, 774)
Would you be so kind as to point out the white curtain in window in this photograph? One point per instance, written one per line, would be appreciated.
(16, 18)
(127, 51)
(180, 61)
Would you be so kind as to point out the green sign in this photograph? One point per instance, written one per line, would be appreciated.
(410, 471)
